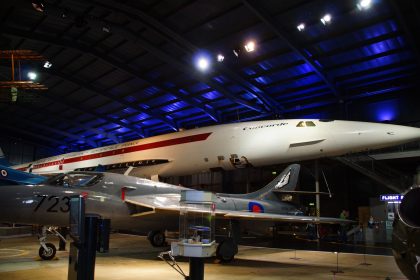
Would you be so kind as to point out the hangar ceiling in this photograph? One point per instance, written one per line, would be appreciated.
(123, 70)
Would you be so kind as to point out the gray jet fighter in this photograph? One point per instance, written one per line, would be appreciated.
(143, 205)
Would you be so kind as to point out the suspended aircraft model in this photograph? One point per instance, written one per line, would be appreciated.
(230, 146)
(143, 205)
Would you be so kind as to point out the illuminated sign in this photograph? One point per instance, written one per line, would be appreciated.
(391, 197)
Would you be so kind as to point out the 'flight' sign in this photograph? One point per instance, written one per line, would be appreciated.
(391, 197)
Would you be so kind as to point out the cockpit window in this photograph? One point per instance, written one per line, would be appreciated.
(75, 180)
(305, 124)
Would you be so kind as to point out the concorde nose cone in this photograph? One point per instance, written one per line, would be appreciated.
(403, 133)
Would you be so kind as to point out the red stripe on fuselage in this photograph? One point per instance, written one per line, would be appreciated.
(126, 150)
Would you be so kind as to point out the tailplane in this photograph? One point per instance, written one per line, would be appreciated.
(285, 182)
(12, 176)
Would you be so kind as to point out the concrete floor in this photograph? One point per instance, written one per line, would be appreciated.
(131, 257)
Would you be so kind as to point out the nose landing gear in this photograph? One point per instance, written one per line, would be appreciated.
(47, 251)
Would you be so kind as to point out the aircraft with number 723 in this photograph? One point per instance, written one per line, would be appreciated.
(143, 205)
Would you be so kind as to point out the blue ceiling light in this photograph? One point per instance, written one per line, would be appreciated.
(385, 111)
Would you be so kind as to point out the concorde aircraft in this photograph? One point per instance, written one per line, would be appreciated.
(230, 146)
(143, 205)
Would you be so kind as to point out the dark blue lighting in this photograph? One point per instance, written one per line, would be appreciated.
(174, 106)
(357, 36)
(195, 87)
(265, 65)
(212, 95)
(138, 118)
(152, 90)
(129, 110)
(263, 80)
(220, 79)
(384, 110)
(122, 130)
(369, 77)
(155, 102)
(151, 122)
(63, 147)
(249, 71)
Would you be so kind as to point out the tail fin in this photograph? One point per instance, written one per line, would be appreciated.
(3, 160)
(29, 168)
(12, 176)
(286, 181)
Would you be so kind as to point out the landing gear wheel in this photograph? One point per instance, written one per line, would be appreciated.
(47, 254)
(226, 250)
(156, 238)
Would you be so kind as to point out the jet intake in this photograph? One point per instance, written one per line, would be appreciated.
(408, 209)
(406, 235)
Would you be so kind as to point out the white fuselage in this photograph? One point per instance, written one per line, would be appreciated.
(235, 145)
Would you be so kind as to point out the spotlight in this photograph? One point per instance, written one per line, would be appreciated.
(364, 4)
(106, 29)
(236, 51)
(31, 75)
(301, 27)
(38, 5)
(220, 57)
(326, 19)
(64, 13)
(47, 64)
(203, 63)
(250, 46)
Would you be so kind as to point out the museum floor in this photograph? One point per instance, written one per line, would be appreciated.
(131, 257)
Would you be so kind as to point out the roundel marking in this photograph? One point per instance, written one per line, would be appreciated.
(3, 173)
(255, 207)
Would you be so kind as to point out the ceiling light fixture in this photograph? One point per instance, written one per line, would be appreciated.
(236, 51)
(203, 63)
(220, 57)
(364, 4)
(47, 64)
(32, 75)
(38, 5)
(250, 46)
(301, 27)
(326, 19)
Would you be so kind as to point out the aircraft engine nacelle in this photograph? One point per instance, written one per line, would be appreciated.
(406, 234)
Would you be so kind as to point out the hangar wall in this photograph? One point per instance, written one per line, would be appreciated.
(18, 151)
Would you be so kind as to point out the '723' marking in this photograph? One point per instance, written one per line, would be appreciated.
(52, 201)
